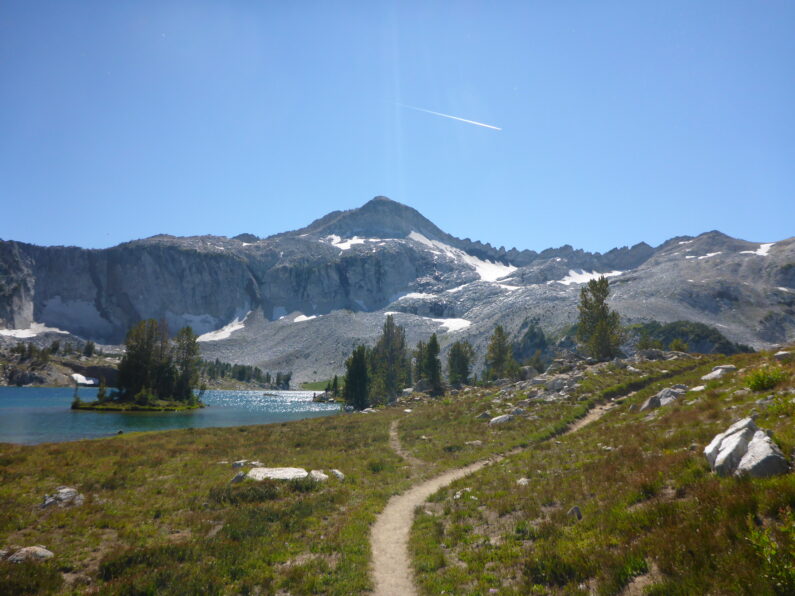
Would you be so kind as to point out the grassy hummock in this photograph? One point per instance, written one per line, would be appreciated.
(126, 406)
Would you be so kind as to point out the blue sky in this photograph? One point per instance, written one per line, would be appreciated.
(621, 121)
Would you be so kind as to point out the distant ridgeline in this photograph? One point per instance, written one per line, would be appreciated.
(215, 370)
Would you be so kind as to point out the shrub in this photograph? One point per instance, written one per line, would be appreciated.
(765, 378)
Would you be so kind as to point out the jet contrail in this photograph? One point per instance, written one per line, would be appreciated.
(449, 116)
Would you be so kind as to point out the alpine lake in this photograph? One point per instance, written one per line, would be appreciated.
(30, 415)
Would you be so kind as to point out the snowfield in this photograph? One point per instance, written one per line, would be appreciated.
(487, 270)
(32, 331)
(226, 331)
(579, 276)
(762, 251)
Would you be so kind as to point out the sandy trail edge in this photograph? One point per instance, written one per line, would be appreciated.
(389, 537)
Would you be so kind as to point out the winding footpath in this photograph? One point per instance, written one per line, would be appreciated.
(389, 537)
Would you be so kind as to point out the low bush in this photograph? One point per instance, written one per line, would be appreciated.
(763, 379)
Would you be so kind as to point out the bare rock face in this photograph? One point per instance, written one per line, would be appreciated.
(744, 449)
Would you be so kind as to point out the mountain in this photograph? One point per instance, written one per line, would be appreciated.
(301, 300)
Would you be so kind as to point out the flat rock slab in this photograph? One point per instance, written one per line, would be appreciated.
(500, 419)
(277, 473)
(64, 496)
(719, 372)
(31, 553)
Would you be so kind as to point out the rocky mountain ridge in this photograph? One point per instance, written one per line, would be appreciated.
(300, 300)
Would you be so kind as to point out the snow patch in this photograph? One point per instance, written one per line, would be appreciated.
(32, 331)
(762, 251)
(708, 255)
(456, 289)
(302, 318)
(345, 244)
(579, 276)
(226, 331)
(784, 289)
(453, 324)
(418, 295)
(685, 242)
(81, 380)
(487, 270)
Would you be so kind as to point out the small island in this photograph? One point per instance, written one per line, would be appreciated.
(156, 373)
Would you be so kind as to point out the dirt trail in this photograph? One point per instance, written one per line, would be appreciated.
(389, 537)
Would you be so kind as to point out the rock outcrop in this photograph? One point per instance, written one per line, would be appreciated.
(744, 449)
(664, 397)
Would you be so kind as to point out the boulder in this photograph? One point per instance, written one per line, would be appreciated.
(239, 477)
(783, 356)
(318, 476)
(698, 388)
(484, 415)
(64, 497)
(719, 372)
(338, 474)
(31, 553)
(500, 419)
(517, 411)
(239, 463)
(745, 449)
(475, 443)
(277, 473)
(663, 398)
(523, 481)
(423, 386)
(528, 372)
(762, 459)
(408, 391)
(651, 354)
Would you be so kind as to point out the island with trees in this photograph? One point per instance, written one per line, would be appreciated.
(157, 373)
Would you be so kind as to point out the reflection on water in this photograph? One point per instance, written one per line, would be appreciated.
(39, 415)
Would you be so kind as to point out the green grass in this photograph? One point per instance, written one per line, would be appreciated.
(647, 497)
(763, 379)
(156, 406)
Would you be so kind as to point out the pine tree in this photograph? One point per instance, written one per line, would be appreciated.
(357, 379)
(598, 328)
(335, 388)
(499, 357)
(419, 361)
(186, 361)
(391, 369)
(459, 363)
(432, 367)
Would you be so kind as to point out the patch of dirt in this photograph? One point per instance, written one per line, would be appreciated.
(638, 585)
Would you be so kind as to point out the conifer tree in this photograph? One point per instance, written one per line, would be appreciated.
(419, 361)
(432, 367)
(335, 388)
(357, 379)
(499, 357)
(598, 328)
(459, 363)
(391, 369)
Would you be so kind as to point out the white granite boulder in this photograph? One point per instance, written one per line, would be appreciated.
(31, 553)
(64, 496)
(338, 474)
(663, 398)
(318, 476)
(277, 473)
(500, 419)
(719, 372)
(744, 449)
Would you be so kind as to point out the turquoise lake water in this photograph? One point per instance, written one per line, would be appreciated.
(42, 415)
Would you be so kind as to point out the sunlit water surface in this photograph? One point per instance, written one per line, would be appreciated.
(42, 415)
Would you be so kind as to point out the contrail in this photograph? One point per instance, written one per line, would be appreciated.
(449, 116)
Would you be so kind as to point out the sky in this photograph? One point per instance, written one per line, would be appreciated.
(619, 122)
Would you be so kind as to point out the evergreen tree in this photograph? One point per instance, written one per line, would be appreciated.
(598, 328)
(186, 362)
(459, 363)
(88, 349)
(419, 362)
(357, 379)
(432, 367)
(391, 369)
(335, 387)
(499, 357)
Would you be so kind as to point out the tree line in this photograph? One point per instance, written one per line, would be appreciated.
(376, 375)
(214, 370)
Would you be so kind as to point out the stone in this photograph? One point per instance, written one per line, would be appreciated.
(632, 369)
(64, 497)
(475, 443)
(662, 398)
(422, 386)
(523, 481)
(517, 412)
(719, 372)
(338, 474)
(651, 354)
(783, 356)
(698, 388)
(500, 419)
(575, 511)
(318, 476)
(763, 458)
(277, 473)
(31, 553)
(239, 463)
(407, 410)
(239, 477)
(484, 415)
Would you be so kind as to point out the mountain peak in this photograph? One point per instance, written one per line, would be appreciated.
(379, 217)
